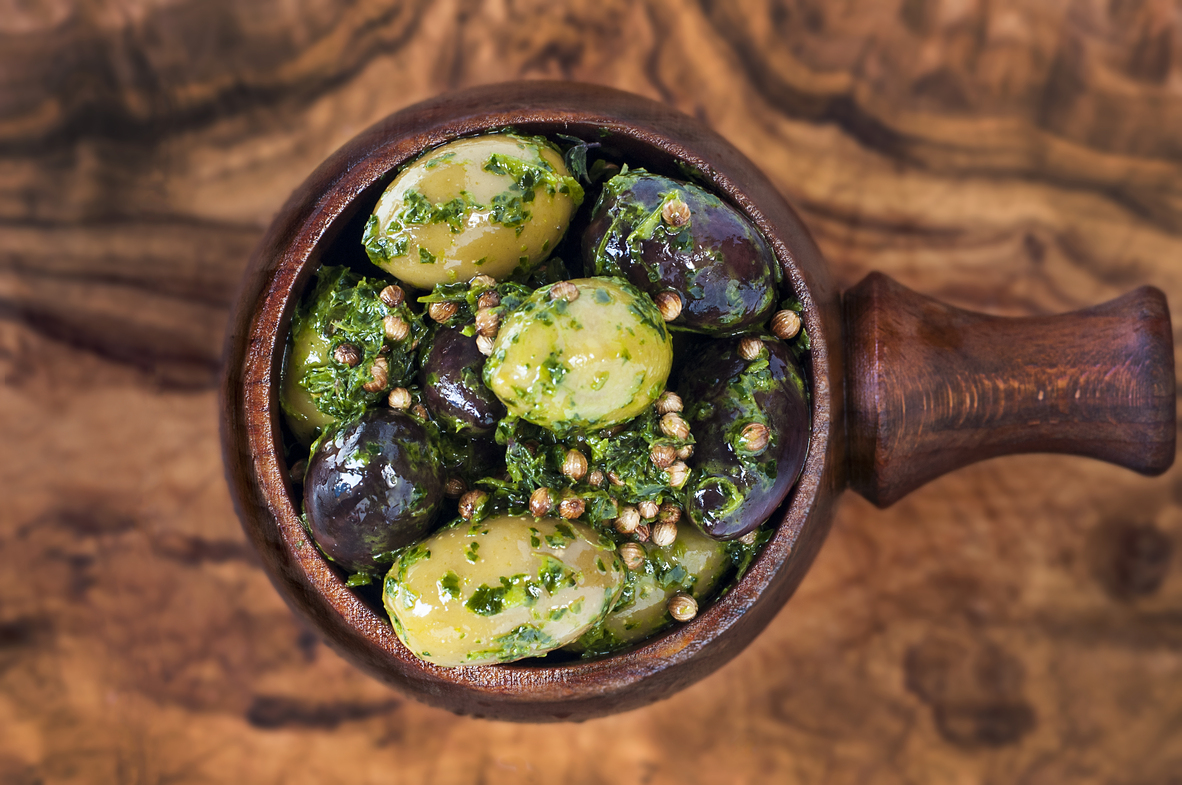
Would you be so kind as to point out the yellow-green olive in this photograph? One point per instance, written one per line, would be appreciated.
(308, 349)
(587, 353)
(501, 589)
(489, 204)
(694, 564)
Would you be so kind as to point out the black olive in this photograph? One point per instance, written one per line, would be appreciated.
(667, 236)
(751, 422)
(452, 385)
(374, 485)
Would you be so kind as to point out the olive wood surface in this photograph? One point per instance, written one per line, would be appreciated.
(1016, 621)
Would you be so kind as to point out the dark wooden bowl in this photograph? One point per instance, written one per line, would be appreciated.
(929, 388)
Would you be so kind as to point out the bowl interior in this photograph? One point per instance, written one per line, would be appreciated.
(323, 224)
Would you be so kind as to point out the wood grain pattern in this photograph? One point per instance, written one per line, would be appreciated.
(1016, 621)
(932, 388)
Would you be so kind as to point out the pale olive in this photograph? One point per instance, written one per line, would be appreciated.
(308, 349)
(486, 205)
(587, 353)
(694, 564)
(501, 589)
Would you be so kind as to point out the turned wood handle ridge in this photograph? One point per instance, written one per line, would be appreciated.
(932, 388)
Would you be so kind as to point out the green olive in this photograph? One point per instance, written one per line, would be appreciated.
(490, 205)
(308, 349)
(694, 564)
(501, 589)
(587, 353)
(340, 360)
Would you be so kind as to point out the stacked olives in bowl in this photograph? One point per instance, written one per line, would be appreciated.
(552, 412)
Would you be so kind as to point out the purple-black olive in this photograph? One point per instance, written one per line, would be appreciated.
(751, 422)
(667, 236)
(452, 385)
(374, 485)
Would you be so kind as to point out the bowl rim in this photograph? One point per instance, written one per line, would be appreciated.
(277, 275)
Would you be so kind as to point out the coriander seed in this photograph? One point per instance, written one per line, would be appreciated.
(749, 537)
(628, 520)
(455, 487)
(786, 325)
(443, 311)
(662, 455)
(669, 513)
(392, 295)
(632, 555)
(648, 509)
(571, 507)
(484, 344)
(574, 465)
(347, 354)
(685, 452)
(642, 532)
(754, 438)
(751, 348)
(488, 300)
(297, 471)
(379, 376)
(564, 290)
(682, 606)
(596, 479)
(675, 212)
(664, 533)
(487, 323)
(678, 473)
(673, 426)
(395, 327)
(540, 502)
(669, 402)
(482, 281)
(471, 503)
(399, 398)
(669, 304)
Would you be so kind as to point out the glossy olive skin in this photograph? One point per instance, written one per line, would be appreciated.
(452, 385)
(501, 589)
(732, 491)
(484, 205)
(642, 610)
(373, 486)
(718, 263)
(591, 362)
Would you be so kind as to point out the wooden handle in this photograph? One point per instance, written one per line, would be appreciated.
(932, 388)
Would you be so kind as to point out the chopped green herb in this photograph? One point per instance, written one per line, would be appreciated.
(449, 586)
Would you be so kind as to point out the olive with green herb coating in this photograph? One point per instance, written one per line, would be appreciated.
(346, 349)
(674, 238)
(751, 420)
(694, 564)
(581, 354)
(452, 386)
(374, 485)
(486, 205)
(501, 589)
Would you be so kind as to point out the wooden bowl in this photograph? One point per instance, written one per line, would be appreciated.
(929, 388)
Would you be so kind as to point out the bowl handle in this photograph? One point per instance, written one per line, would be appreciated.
(931, 388)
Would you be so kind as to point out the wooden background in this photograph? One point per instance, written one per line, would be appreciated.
(1019, 621)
